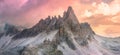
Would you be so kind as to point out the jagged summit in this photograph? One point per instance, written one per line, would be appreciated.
(70, 16)
(70, 9)
(68, 21)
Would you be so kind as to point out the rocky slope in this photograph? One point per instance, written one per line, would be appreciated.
(58, 36)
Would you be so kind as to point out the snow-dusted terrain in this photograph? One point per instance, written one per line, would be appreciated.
(57, 36)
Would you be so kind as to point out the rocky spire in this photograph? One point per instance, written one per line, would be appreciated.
(70, 20)
(70, 16)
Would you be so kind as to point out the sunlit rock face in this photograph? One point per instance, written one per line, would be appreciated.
(57, 36)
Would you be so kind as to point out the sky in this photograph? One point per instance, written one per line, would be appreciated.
(102, 15)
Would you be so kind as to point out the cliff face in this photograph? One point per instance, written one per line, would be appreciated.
(58, 36)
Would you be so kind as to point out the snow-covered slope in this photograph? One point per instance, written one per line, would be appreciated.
(58, 36)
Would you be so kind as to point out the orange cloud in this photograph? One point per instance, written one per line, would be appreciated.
(105, 25)
(103, 17)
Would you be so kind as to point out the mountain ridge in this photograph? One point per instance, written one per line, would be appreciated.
(68, 20)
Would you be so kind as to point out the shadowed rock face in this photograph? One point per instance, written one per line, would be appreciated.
(1, 34)
(10, 29)
(85, 33)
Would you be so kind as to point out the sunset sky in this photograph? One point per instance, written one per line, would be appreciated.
(103, 15)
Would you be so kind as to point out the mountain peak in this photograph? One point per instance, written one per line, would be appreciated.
(70, 9)
(70, 16)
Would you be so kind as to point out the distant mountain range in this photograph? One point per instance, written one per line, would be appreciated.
(57, 36)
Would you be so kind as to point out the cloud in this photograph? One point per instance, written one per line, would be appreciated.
(99, 19)
(104, 13)
(112, 32)
(105, 25)
(15, 11)
(92, 1)
(108, 9)
(104, 8)
(104, 18)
